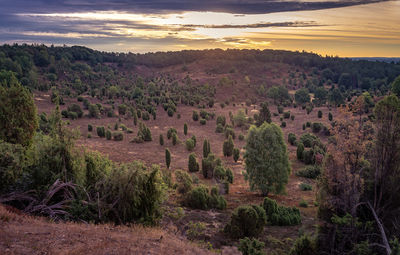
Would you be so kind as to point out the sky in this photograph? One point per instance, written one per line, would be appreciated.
(346, 28)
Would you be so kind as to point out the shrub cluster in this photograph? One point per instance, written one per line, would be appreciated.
(311, 172)
(281, 215)
(200, 198)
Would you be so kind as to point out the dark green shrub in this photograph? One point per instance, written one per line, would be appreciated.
(280, 109)
(246, 221)
(236, 154)
(283, 124)
(319, 114)
(184, 182)
(241, 137)
(170, 112)
(308, 124)
(203, 121)
(77, 109)
(198, 198)
(308, 139)
(118, 136)
(311, 172)
(286, 115)
(144, 132)
(167, 157)
(12, 162)
(175, 139)
(299, 151)
(90, 128)
(145, 116)
(185, 129)
(304, 126)
(219, 128)
(94, 111)
(221, 120)
(229, 175)
(195, 116)
(122, 109)
(208, 165)
(303, 203)
(189, 144)
(116, 126)
(304, 245)
(134, 193)
(228, 147)
(108, 134)
(170, 132)
(219, 173)
(308, 157)
(194, 140)
(206, 148)
(161, 139)
(72, 115)
(100, 131)
(216, 201)
(229, 132)
(305, 187)
(281, 215)
(330, 116)
(251, 246)
(193, 165)
(292, 138)
(316, 127)
(64, 113)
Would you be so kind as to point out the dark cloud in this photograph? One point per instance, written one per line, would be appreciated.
(165, 6)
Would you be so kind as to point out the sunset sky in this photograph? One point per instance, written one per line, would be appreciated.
(347, 28)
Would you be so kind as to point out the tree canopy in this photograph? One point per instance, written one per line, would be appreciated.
(266, 159)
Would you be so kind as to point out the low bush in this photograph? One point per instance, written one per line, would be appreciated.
(209, 164)
(311, 172)
(251, 246)
(304, 245)
(100, 131)
(184, 181)
(118, 136)
(199, 198)
(203, 121)
(241, 137)
(193, 165)
(236, 154)
(292, 138)
(246, 221)
(90, 128)
(195, 116)
(281, 215)
(190, 144)
(305, 187)
(108, 134)
(303, 203)
(219, 128)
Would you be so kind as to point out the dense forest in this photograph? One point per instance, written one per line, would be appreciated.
(346, 156)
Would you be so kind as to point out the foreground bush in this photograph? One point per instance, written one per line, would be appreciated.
(305, 245)
(246, 221)
(281, 215)
(251, 246)
(132, 193)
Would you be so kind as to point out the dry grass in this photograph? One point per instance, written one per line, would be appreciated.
(22, 234)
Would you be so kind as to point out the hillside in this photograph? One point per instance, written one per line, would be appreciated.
(23, 234)
(163, 139)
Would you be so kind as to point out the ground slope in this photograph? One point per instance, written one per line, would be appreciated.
(22, 234)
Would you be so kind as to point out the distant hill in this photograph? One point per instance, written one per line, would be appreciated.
(379, 59)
